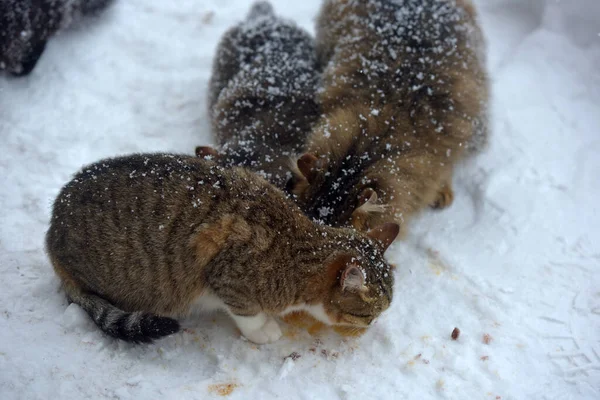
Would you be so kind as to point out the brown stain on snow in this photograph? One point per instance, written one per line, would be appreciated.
(222, 389)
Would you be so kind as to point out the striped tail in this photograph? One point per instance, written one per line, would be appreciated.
(136, 327)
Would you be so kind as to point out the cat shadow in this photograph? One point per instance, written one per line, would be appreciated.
(205, 347)
(218, 334)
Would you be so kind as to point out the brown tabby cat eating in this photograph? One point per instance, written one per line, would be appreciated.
(404, 100)
(140, 240)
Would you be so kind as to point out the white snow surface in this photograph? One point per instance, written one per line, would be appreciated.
(516, 257)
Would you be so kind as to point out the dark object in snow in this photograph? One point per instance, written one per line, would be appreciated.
(487, 339)
(262, 95)
(26, 26)
(140, 240)
(404, 100)
(455, 333)
(294, 356)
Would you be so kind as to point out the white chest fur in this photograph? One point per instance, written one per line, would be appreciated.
(317, 311)
(209, 302)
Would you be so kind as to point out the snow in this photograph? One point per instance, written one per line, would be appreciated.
(516, 257)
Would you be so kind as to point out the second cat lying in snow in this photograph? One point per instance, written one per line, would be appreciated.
(404, 98)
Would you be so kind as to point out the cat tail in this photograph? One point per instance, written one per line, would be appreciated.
(261, 8)
(136, 327)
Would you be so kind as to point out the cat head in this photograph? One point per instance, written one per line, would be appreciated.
(360, 281)
(313, 189)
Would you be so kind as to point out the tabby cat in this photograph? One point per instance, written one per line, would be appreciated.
(140, 240)
(404, 100)
(26, 26)
(262, 95)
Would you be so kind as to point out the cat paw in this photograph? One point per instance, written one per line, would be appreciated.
(268, 333)
(444, 199)
(272, 330)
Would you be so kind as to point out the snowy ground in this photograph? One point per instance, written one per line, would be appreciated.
(516, 257)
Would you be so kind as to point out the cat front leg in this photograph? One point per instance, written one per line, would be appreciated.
(260, 328)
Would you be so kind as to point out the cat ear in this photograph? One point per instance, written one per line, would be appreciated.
(368, 204)
(206, 151)
(309, 165)
(385, 234)
(353, 279)
(368, 196)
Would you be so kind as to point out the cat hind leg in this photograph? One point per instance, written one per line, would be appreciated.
(444, 197)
